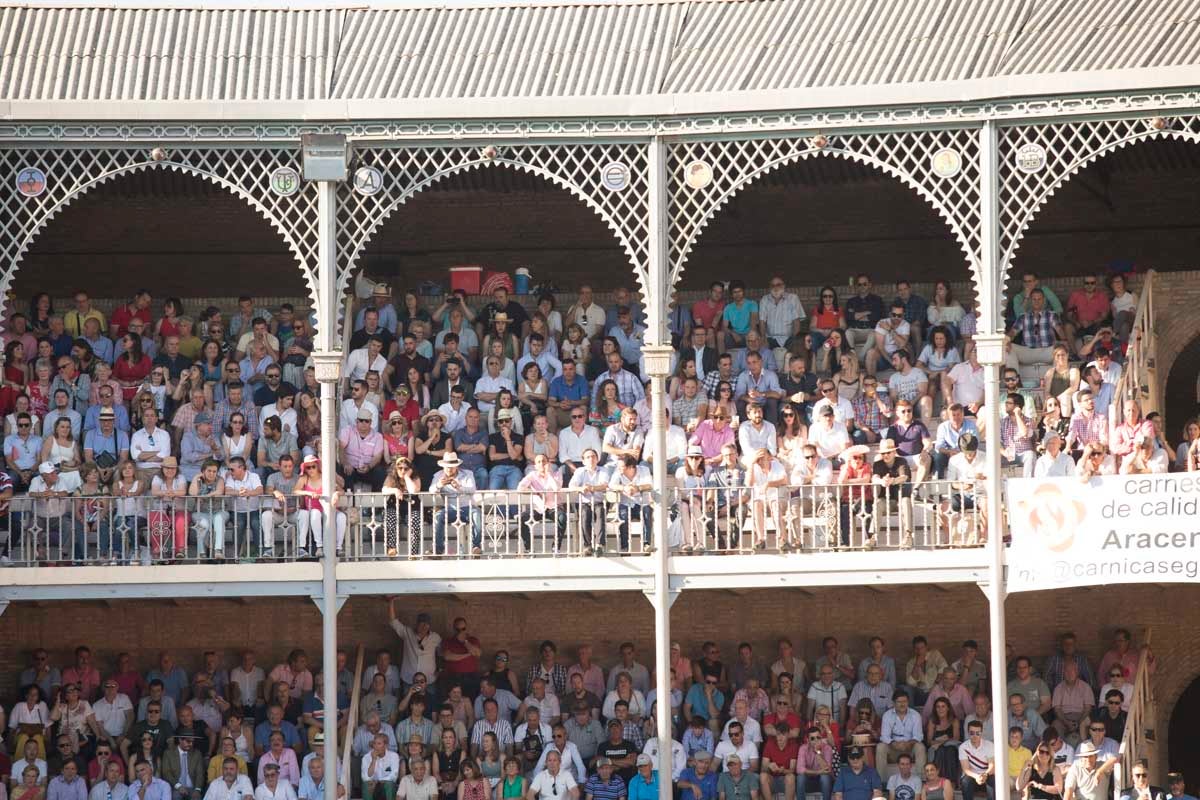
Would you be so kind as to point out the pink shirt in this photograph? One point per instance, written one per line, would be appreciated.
(546, 489)
(301, 682)
(361, 450)
(710, 439)
(593, 678)
(289, 770)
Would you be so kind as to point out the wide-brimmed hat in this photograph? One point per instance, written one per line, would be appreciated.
(500, 316)
(887, 446)
(855, 450)
(381, 290)
(450, 460)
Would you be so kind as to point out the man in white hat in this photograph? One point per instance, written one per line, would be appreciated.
(455, 505)
(381, 302)
(1086, 777)
(50, 489)
(893, 484)
(506, 453)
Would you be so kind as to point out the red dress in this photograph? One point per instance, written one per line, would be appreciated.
(125, 372)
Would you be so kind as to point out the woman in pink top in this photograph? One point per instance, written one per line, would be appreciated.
(542, 500)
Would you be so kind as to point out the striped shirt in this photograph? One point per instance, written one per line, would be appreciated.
(1087, 429)
(501, 727)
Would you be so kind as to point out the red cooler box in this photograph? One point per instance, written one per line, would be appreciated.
(466, 277)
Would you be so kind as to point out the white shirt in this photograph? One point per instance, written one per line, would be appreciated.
(843, 410)
(101, 791)
(455, 420)
(283, 791)
(409, 789)
(1060, 466)
(547, 786)
(751, 728)
(968, 383)
(677, 445)
(419, 654)
(489, 385)
(250, 481)
(830, 442)
(348, 414)
(571, 444)
(747, 752)
(219, 790)
(358, 363)
(571, 760)
(754, 439)
(145, 442)
(112, 716)
(678, 756)
(287, 419)
(387, 766)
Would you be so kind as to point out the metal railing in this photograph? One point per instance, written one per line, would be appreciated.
(147, 530)
(1136, 744)
(493, 523)
(1138, 379)
(930, 515)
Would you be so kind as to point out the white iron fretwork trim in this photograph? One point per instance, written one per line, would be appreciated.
(1069, 147)
(73, 172)
(904, 155)
(577, 167)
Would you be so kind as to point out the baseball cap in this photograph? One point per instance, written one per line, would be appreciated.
(602, 761)
(643, 760)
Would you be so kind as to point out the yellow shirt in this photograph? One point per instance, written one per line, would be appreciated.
(214, 766)
(1017, 759)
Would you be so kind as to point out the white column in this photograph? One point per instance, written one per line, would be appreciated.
(657, 360)
(990, 349)
(327, 362)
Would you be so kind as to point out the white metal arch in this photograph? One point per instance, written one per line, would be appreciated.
(40, 221)
(352, 250)
(1040, 193)
(749, 179)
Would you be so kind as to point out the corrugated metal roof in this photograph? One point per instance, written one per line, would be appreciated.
(619, 48)
(166, 54)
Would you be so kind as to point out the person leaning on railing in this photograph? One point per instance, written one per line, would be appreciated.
(403, 511)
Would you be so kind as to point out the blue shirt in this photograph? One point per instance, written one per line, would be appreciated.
(98, 443)
(707, 784)
(641, 789)
(174, 682)
(699, 703)
(470, 461)
(157, 790)
(102, 348)
(576, 390)
(599, 790)
(387, 317)
(59, 789)
(948, 437)
(857, 787)
(262, 733)
(738, 317)
(91, 420)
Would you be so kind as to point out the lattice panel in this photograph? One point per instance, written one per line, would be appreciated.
(907, 156)
(71, 172)
(1069, 147)
(575, 167)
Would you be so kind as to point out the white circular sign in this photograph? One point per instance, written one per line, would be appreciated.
(697, 174)
(946, 163)
(1031, 158)
(31, 181)
(368, 181)
(285, 181)
(615, 176)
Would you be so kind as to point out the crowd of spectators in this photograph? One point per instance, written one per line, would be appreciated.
(765, 398)
(443, 721)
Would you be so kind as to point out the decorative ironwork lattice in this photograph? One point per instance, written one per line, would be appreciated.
(577, 168)
(905, 155)
(72, 172)
(1068, 147)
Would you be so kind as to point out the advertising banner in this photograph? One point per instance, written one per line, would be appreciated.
(1111, 529)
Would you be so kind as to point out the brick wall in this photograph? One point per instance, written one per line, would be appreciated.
(946, 615)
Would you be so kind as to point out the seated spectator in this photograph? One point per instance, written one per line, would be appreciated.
(778, 775)
(1038, 328)
(900, 733)
(506, 453)
(874, 689)
(890, 336)
(632, 482)
(455, 484)
(1027, 719)
(912, 440)
(1053, 462)
(1017, 436)
(758, 386)
(977, 761)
